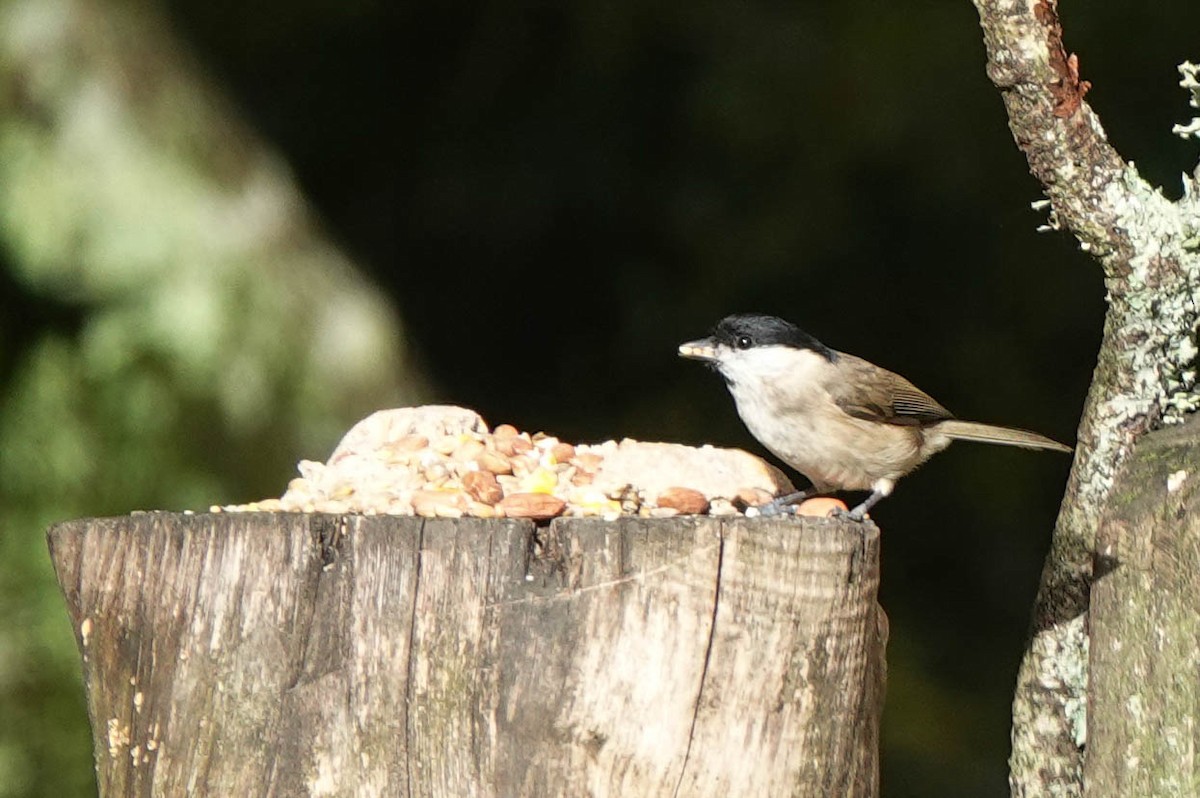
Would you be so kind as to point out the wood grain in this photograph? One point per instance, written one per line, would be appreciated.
(312, 655)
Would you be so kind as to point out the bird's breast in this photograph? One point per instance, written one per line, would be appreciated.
(832, 449)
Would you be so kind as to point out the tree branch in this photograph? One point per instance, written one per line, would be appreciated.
(1145, 374)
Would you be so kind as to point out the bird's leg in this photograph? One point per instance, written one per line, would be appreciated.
(881, 489)
(860, 512)
(786, 504)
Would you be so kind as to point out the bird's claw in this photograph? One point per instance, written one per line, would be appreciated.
(773, 509)
(858, 514)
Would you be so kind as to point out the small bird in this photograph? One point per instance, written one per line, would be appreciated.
(844, 423)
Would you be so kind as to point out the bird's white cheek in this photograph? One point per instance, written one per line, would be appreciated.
(774, 368)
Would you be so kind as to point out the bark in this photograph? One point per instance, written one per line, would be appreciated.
(1145, 373)
(1145, 643)
(288, 654)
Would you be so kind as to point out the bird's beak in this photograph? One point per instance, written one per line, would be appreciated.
(703, 349)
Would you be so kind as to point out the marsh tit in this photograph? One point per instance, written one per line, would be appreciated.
(844, 423)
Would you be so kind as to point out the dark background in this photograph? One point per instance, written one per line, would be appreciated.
(555, 195)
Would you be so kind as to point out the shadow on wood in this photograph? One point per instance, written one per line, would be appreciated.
(287, 654)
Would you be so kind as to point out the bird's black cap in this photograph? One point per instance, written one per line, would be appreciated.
(749, 330)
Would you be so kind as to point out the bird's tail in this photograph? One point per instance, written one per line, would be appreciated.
(1007, 436)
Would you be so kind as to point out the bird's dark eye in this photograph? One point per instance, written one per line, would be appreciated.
(744, 342)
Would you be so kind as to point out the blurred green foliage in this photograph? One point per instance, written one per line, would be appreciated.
(175, 331)
(553, 195)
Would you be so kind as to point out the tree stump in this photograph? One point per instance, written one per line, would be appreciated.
(282, 654)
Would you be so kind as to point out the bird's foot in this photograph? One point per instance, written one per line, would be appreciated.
(772, 509)
(882, 488)
(858, 514)
(781, 505)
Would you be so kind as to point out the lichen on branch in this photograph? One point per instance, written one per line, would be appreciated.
(1189, 72)
(1146, 373)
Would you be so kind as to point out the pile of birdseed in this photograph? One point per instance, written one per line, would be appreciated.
(442, 461)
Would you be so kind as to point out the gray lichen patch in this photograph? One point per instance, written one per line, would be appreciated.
(1188, 72)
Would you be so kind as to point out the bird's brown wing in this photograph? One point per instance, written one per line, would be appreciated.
(876, 394)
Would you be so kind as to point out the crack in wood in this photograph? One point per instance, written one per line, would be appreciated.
(410, 663)
(708, 650)
(327, 534)
(331, 531)
(607, 584)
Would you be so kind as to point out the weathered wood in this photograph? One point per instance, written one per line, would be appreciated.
(287, 654)
(1145, 371)
(1145, 644)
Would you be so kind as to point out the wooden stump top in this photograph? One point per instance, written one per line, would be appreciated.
(288, 654)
